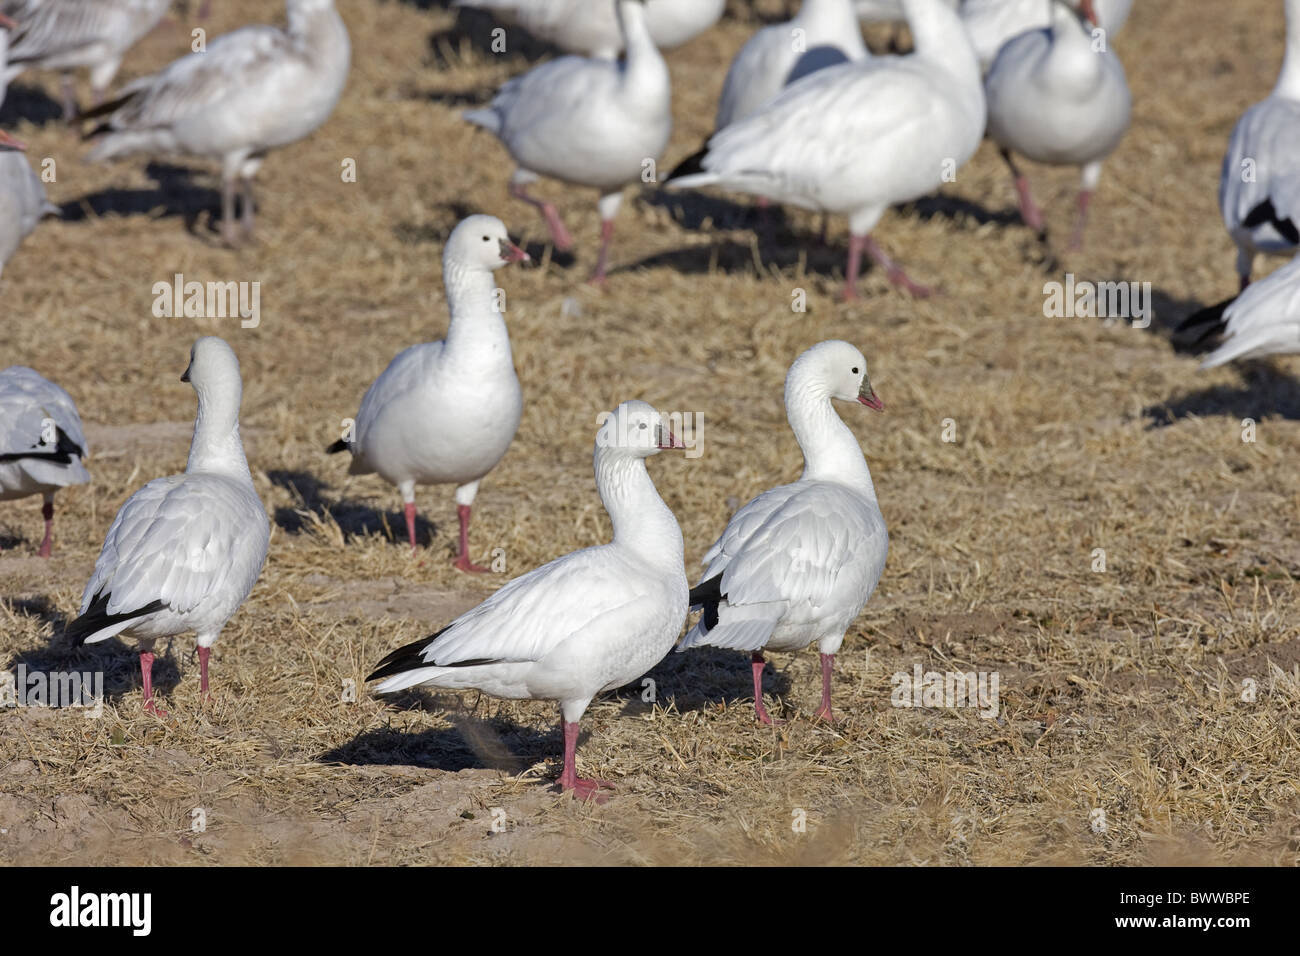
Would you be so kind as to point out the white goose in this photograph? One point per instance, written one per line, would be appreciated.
(251, 91)
(823, 33)
(991, 23)
(1259, 187)
(1263, 320)
(184, 551)
(1055, 98)
(590, 27)
(67, 35)
(7, 27)
(586, 623)
(41, 442)
(858, 138)
(799, 562)
(22, 197)
(445, 412)
(589, 122)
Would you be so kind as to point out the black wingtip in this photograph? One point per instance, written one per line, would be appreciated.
(64, 450)
(707, 595)
(1206, 322)
(97, 618)
(690, 165)
(337, 447)
(405, 658)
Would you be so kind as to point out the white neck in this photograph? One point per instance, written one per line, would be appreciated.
(216, 447)
(318, 29)
(1288, 81)
(644, 70)
(940, 36)
(832, 18)
(830, 450)
(642, 522)
(477, 333)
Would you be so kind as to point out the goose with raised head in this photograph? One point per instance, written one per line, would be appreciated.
(799, 562)
(249, 92)
(41, 442)
(22, 197)
(583, 624)
(587, 122)
(1055, 98)
(445, 412)
(857, 138)
(184, 551)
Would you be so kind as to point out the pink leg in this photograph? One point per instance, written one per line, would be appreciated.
(1029, 211)
(560, 237)
(757, 665)
(824, 712)
(463, 563)
(606, 237)
(893, 270)
(569, 779)
(146, 673)
(203, 670)
(1076, 240)
(410, 524)
(851, 268)
(47, 545)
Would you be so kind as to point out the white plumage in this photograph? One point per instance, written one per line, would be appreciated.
(1055, 98)
(250, 91)
(184, 551)
(823, 33)
(41, 442)
(798, 563)
(1259, 186)
(857, 138)
(991, 23)
(1263, 320)
(585, 623)
(22, 197)
(589, 122)
(67, 35)
(445, 412)
(590, 27)
(7, 26)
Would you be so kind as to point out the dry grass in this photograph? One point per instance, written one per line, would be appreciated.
(1121, 691)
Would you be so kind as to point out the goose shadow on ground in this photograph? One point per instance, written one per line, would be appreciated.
(494, 743)
(354, 519)
(29, 104)
(117, 661)
(1267, 391)
(475, 29)
(176, 194)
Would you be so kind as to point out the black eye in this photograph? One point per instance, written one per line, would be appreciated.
(487, 238)
(855, 370)
(643, 426)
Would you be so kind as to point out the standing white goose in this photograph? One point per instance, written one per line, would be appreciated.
(67, 35)
(586, 623)
(445, 412)
(250, 91)
(1259, 186)
(590, 27)
(41, 442)
(1263, 320)
(858, 138)
(992, 23)
(589, 122)
(22, 197)
(1055, 98)
(7, 26)
(823, 33)
(799, 562)
(184, 551)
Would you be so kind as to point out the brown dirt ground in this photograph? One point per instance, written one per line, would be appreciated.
(1121, 691)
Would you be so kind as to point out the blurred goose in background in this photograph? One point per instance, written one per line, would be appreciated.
(22, 197)
(858, 138)
(1055, 99)
(7, 26)
(991, 23)
(798, 563)
(1263, 320)
(586, 623)
(68, 35)
(1259, 186)
(251, 91)
(41, 442)
(588, 122)
(184, 551)
(446, 412)
(590, 27)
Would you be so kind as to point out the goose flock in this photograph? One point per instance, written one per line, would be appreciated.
(808, 117)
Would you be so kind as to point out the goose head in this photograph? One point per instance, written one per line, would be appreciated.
(833, 369)
(635, 430)
(481, 243)
(214, 372)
